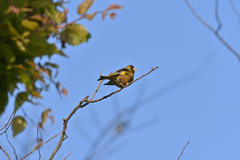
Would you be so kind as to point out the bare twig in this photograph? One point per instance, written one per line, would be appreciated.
(235, 9)
(25, 114)
(212, 30)
(183, 150)
(11, 146)
(7, 125)
(67, 156)
(5, 152)
(99, 84)
(84, 102)
(4, 119)
(38, 141)
(40, 146)
(217, 17)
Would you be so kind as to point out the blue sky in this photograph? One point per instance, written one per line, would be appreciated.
(192, 96)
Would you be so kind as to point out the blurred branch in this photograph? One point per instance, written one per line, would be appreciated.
(5, 152)
(183, 150)
(217, 17)
(39, 142)
(234, 9)
(11, 146)
(212, 30)
(7, 125)
(40, 146)
(84, 102)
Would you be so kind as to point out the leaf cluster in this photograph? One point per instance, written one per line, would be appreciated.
(25, 29)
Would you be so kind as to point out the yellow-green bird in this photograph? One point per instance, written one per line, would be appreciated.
(121, 77)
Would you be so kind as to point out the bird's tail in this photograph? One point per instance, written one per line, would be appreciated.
(102, 78)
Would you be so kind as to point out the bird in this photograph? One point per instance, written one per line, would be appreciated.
(121, 77)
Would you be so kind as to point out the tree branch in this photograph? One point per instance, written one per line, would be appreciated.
(212, 30)
(5, 152)
(183, 150)
(40, 146)
(84, 102)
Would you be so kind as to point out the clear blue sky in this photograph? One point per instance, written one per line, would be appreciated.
(193, 96)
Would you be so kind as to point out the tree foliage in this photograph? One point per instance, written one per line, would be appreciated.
(25, 29)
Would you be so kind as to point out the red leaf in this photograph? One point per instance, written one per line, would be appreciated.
(114, 6)
(64, 91)
(104, 15)
(112, 15)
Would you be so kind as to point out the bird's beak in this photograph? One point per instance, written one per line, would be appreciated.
(134, 69)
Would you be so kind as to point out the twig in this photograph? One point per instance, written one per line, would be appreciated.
(234, 9)
(11, 146)
(217, 17)
(40, 146)
(5, 152)
(183, 150)
(80, 18)
(38, 141)
(7, 125)
(25, 114)
(212, 30)
(99, 84)
(67, 156)
(84, 102)
(4, 119)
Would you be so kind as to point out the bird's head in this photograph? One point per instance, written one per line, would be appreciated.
(131, 68)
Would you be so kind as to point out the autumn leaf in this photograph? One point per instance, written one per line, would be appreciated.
(104, 15)
(90, 16)
(84, 6)
(64, 91)
(112, 15)
(114, 6)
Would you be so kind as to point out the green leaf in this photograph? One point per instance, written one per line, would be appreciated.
(40, 3)
(7, 29)
(38, 46)
(21, 98)
(32, 25)
(75, 34)
(53, 13)
(3, 100)
(18, 125)
(44, 118)
(84, 6)
(36, 94)
(7, 53)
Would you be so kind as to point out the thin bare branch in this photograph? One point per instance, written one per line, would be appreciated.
(7, 125)
(38, 141)
(11, 146)
(26, 115)
(183, 150)
(67, 156)
(40, 146)
(99, 84)
(235, 9)
(84, 102)
(5, 152)
(212, 30)
(217, 17)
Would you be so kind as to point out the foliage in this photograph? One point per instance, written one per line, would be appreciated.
(25, 29)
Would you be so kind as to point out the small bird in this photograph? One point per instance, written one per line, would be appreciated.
(121, 77)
